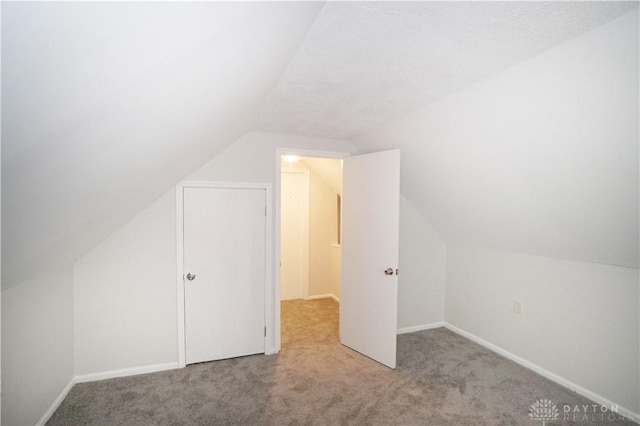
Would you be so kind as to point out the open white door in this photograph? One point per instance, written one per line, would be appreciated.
(370, 233)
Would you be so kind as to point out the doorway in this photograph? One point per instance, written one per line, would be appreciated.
(368, 266)
(310, 210)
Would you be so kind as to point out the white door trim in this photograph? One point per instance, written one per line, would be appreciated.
(269, 290)
(275, 296)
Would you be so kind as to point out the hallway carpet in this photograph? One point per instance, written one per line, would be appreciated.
(441, 379)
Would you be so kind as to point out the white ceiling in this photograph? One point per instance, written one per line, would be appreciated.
(106, 105)
(365, 63)
(541, 158)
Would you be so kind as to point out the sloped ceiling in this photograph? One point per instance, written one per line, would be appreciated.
(540, 159)
(557, 180)
(105, 106)
(365, 63)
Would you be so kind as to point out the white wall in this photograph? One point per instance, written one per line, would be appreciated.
(134, 96)
(125, 295)
(421, 282)
(541, 158)
(294, 234)
(580, 320)
(323, 231)
(253, 159)
(422, 257)
(335, 270)
(125, 288)
(37, 346)
(329, 170)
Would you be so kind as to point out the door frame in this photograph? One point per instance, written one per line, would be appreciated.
(269, 289)
(306, 197)
(280, 151)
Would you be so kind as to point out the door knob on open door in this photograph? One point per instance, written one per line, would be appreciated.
(388, 271)
(191, 276)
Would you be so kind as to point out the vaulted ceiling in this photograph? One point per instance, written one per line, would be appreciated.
(105, 106)
(365, 63)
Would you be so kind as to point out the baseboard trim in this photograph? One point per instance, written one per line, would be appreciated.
(101, 376)
(126, 372)
(323, 296)
(56, 403)
(421, 327)
(599, 399)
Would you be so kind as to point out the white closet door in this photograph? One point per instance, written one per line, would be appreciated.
(224, 266)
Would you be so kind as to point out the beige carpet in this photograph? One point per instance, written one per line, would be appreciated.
(441, 379)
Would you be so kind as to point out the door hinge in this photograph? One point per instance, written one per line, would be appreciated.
(265, 332)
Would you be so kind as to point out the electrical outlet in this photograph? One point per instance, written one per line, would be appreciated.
(517, 307)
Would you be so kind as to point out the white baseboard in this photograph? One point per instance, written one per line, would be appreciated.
(323, 296)
(126, 372)
(101, 376)
(543, 372)
(47, 415)
(421, 327)
(599, 399)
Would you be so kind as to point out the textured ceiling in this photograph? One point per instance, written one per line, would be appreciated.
(365, 63)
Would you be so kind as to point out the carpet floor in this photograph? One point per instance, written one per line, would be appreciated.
(441, 379)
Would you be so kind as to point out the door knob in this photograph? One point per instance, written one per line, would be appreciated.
(191, 276)
(388, 271)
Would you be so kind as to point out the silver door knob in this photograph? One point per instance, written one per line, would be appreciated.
(191, 276)
(388, 271)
